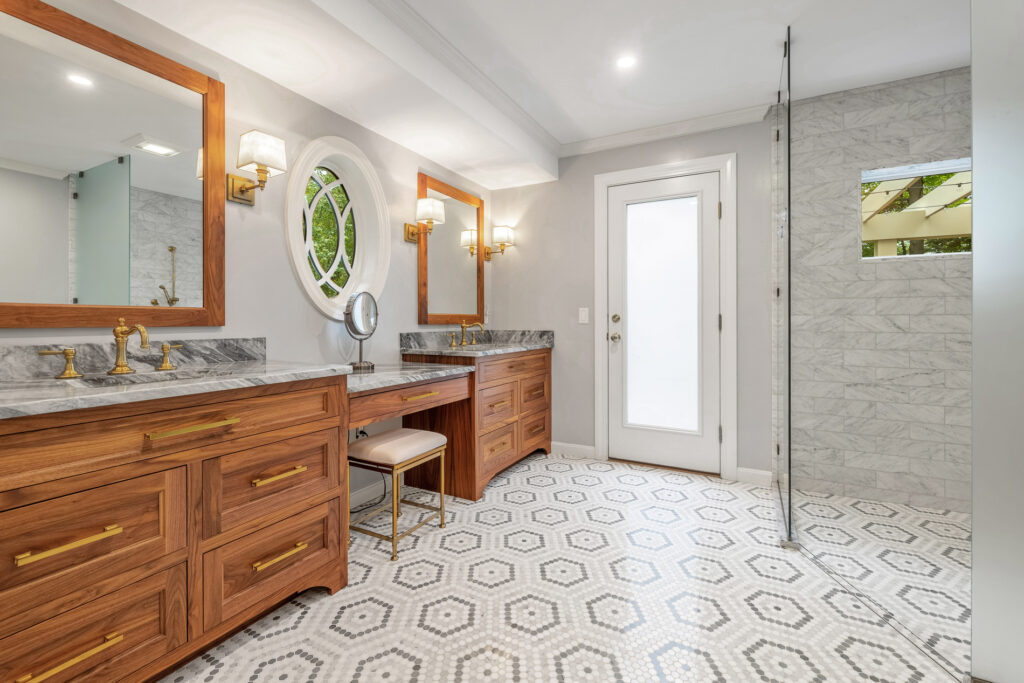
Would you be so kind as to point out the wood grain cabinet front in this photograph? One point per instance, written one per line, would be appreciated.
(104, 640)
(246, 571)
(496, 406)
(72, 543)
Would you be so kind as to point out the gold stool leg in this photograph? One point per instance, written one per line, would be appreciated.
(396, 495)
(440, 489)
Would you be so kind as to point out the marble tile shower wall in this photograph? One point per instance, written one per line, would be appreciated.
(881, 348)
(158, 221)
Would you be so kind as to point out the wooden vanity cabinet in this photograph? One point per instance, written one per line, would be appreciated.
(132, 537)
(507, 417)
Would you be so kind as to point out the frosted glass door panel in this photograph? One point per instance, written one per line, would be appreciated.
(663, 325)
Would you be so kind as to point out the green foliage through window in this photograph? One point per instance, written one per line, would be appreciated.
(332, 245)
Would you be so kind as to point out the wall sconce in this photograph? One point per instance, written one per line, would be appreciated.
(429, 211)
(261, 154)
(467, 239)
(503, 236)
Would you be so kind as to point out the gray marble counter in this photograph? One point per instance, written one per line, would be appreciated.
(489, 342)
(385, 376)
(38, 396)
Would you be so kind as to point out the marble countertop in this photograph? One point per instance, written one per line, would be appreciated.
(478, 350)
(489, 343)
(385, 376)
(39, 396)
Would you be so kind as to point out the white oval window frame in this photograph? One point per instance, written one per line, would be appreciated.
(373, 221)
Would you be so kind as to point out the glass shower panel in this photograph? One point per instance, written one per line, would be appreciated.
(780, 310)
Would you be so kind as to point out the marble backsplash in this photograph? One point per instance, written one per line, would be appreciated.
(439, 338)
(19, 363)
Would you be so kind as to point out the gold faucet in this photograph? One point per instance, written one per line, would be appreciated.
(69, 363)
(121, 334)
(465, 327)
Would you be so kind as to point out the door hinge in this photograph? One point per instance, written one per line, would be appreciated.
(778, 291)
(719, 210)
(778, 135)
(721, 434)
(719, 322)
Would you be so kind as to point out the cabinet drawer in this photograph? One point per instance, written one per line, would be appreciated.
(250, 484)
(67, 544)
(495, 406)
(244, 572)
(104, 640)
(501, 368)
(534, 393)
(498, 449)
(33, 457)
(404, 400)
(534, 431)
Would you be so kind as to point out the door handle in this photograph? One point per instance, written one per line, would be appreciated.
(615, 336)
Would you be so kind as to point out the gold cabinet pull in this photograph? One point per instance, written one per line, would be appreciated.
(537, 430)
(110, 640)
(260, 566)
(298, 469)
(498, 404)
(419, 396)
(501, 444)
(156, 436)
(30, 557)
(537, 392)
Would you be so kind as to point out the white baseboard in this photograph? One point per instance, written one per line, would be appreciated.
(364, 495)
(748, 475)
(573, 450)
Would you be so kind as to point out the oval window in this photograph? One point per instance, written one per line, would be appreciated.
(339, 235)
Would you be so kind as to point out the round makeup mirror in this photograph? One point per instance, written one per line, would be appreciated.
(361, 323)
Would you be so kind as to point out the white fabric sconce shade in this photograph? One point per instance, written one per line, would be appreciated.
(430, 210)
(257, 148)
(468, 238)
(503, 234)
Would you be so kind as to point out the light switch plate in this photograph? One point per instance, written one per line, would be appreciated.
(584, 316)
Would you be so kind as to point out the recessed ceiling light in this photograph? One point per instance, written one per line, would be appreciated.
(80, 80)
(626, 62)
(151, 145)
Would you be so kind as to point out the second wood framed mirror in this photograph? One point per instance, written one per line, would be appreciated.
(112, 174)
(451, 257)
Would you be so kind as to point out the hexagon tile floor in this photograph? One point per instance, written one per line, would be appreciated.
(579, 570)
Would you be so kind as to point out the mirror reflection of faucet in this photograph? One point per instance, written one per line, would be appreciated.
(171, 296)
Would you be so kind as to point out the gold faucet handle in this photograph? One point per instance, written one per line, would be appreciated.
(69, 362)
(452, 335)
(166, 364)
(472, 338)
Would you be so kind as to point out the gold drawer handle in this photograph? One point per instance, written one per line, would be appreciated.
(298, 469)
(419, 396)
(499, 404)
(156, 436)
(28, 558)
(503, 444)
(537, 392)
(110, 640)
(537, 430)
(260, 566)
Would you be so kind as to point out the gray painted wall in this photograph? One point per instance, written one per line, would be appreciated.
(998, 545)
(263, 296)
(881, 347)
(33, 238)
(549, 273)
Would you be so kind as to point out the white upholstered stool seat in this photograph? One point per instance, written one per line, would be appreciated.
(395, 446)
(394, 452)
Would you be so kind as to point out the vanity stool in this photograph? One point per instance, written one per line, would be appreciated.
(394, 452)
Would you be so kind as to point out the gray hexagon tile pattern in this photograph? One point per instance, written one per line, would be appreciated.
(580, 570)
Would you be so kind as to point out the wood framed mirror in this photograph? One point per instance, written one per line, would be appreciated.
(112, 176)
(451, 276)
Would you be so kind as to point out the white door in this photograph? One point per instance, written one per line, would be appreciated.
(663, 306)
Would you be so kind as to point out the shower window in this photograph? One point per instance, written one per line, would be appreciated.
(916, 210)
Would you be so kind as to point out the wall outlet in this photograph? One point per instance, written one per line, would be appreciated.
(584, 316)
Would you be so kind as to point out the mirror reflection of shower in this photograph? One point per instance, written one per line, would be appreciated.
(171, 296)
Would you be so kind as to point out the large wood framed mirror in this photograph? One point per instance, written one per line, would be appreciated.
(111, 178)
(451, 275)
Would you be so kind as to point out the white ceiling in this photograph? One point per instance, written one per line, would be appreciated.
(498, 90)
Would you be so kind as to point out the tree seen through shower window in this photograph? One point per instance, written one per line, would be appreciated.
(918, 209)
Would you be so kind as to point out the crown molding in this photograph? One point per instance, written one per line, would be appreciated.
(701, 124)
(420, 30)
